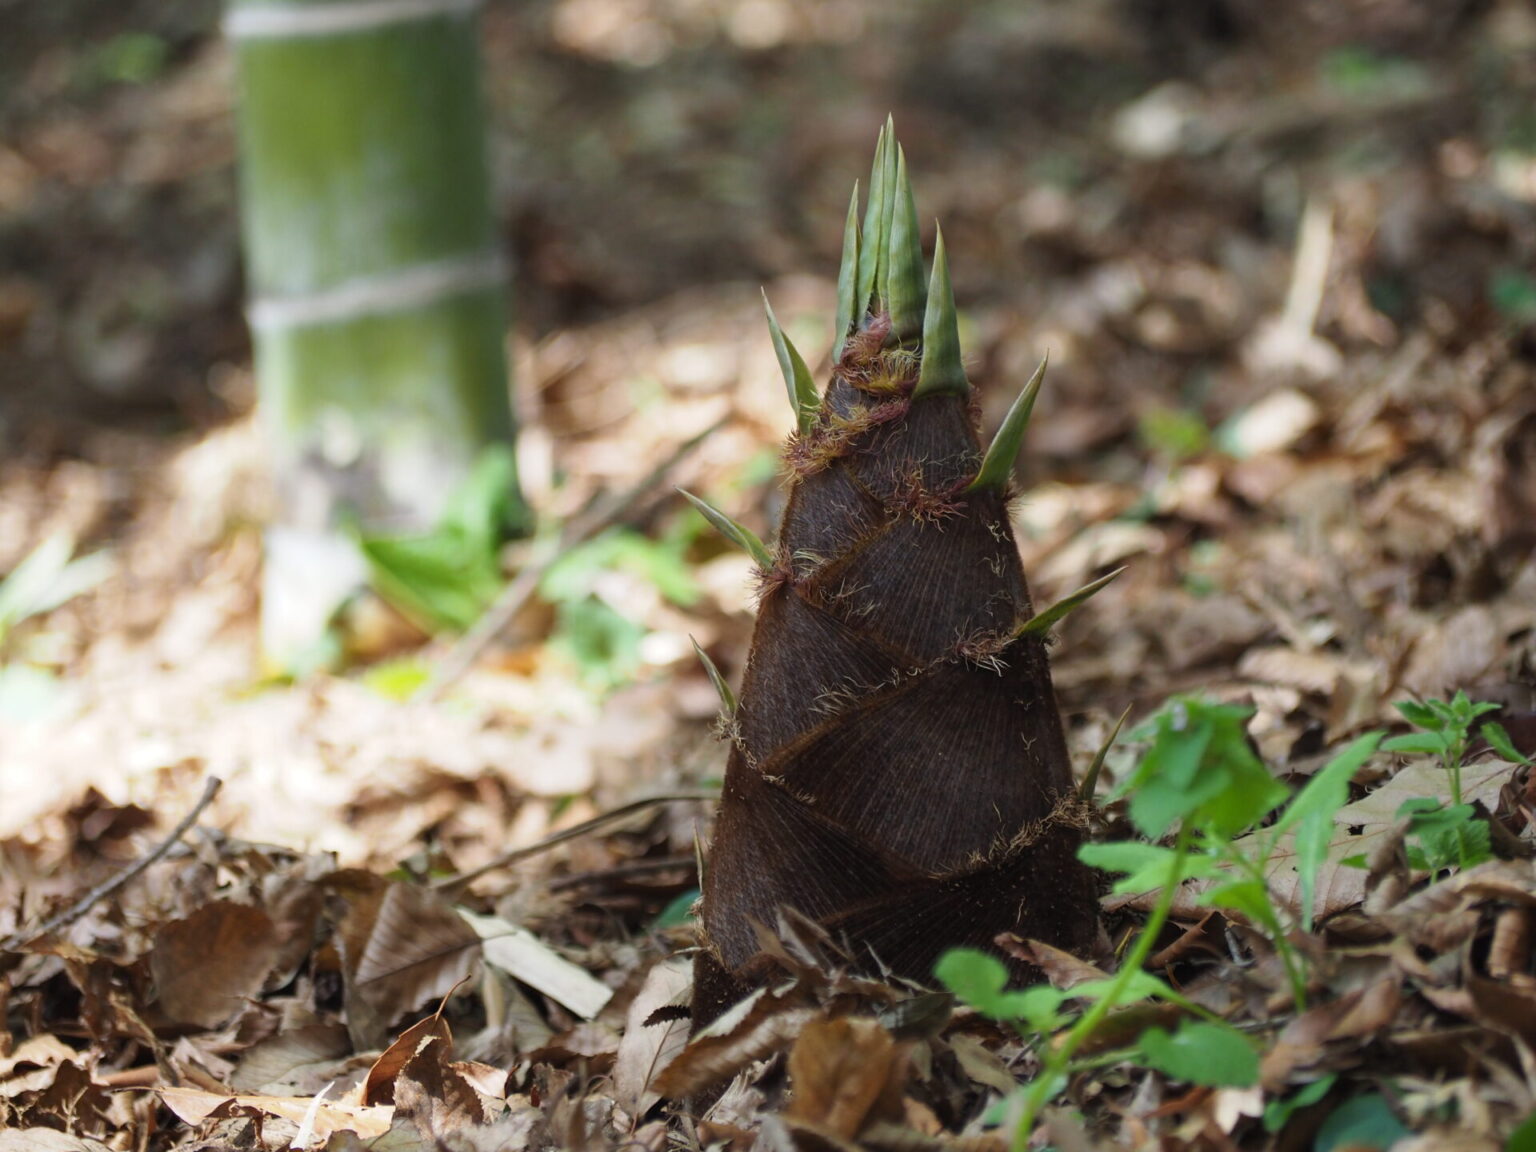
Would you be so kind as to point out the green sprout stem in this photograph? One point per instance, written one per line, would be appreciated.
(1058, 1061)
(1270, 921)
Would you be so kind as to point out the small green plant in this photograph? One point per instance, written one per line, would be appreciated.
(1199, 781)
(1445, 730)
(1178, 434)
(1447, 835)
(49, 576)
(444, 579)
(597, 635)
(46, 578)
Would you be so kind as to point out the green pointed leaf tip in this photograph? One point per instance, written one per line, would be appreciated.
(870, 242)
(888, 193)
(803, 397)
(904, 292)
(847, 278)
(997, 465)
(742, 537)
(1041, 622)
(722, 688)
(943, 370)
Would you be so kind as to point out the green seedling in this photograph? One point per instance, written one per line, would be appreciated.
(597, 635)
(1440, 835)
(444, 579)
(1200, 783)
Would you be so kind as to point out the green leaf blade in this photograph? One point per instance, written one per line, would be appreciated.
(737, 534)
(1202, 1052)
(997, 465)
(943, 368)
(872, 239)
(848, 306)
(1043, 621)
(722, 686)
(803, 397)
(904, 291)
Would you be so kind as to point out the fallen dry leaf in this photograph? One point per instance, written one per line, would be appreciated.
(324, 1117)
(844, 1074)
(402, 946)
(647, 1048)
(206, 965)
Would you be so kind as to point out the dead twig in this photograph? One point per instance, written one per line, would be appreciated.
(96, 895)
(602, 820)
(592, 520)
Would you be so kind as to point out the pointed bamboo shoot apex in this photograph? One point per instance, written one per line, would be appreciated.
(903, 291)
(1042, 622)
(888, 192)
(742, 537)
(943, 370)
(848, 310)
(727, 697)
(803, 397)
(997, 464)
(871, 243)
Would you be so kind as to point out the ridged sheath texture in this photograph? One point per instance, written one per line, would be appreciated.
(898, 771)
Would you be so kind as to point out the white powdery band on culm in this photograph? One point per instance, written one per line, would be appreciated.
(400, 291)
(290, 21)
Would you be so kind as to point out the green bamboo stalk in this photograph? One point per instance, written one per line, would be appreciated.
(377, 291)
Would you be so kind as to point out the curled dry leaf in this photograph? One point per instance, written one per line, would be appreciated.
(845, 1074)
(206, 965)
(764, 1023)
(402, 946)
(647, 1048)
(1060, 967)
(437, 1096)
(1509, 952)
(379, 1087)
(1504, 1007)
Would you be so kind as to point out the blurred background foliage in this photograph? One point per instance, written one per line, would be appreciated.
(1124, 182)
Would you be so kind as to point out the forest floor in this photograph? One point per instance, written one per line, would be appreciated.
(1284, 264)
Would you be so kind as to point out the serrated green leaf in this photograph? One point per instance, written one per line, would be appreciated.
(1200, 769)
(943, 368)
(1430, 743)
(1147, 867)
(849, 310)
(997, 464)
(1420, 715)
(1499, 741)
(803, 397)
(1044, 621)
(903, 290)
(980, 980)
(1202, 1052)
(722, 688)
(741, 536)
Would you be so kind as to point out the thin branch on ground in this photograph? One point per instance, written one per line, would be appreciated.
(96, 895)
(602, 820)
